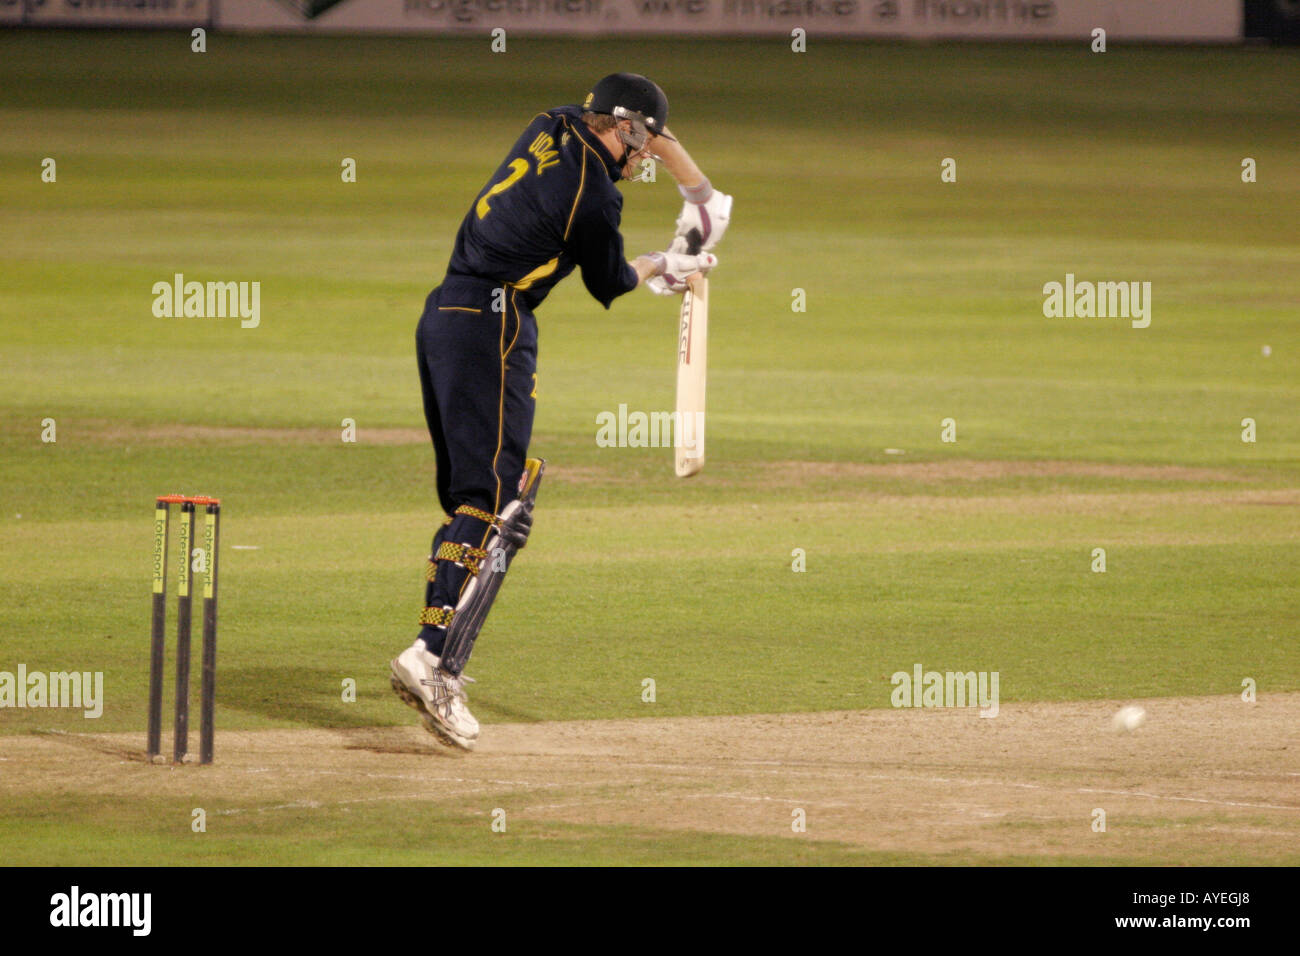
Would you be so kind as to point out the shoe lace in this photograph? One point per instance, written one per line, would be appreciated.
(446, 686)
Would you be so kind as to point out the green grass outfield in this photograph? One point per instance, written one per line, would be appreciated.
(924, 302)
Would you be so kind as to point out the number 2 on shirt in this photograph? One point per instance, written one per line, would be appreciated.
(518, 167)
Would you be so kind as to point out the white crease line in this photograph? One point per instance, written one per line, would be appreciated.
(320, 804)
(965, 782)
(793, 801)
(369, 775)
(425, 795)
(572, 805)
(1159, 796)
(582, 805)
(423, 778)
(631, 784)
(694, 771)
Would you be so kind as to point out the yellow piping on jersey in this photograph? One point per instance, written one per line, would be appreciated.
(582, 180)
(501, 426)
(541, 272)
(518, 325)
(585, 144)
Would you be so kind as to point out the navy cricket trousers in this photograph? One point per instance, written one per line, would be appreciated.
(477, 351)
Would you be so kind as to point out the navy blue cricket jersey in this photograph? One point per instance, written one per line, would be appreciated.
(550, 206)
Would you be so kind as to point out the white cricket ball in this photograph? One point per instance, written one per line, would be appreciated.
(1129, 718)
(1267, 350)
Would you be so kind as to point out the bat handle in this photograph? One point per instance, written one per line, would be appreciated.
(693, 242)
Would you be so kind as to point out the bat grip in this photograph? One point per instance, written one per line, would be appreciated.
(693, 242)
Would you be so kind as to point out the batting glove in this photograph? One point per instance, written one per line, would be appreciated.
(675, 265)
(707, 210)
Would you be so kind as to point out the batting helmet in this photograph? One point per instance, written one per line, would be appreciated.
(630, 96)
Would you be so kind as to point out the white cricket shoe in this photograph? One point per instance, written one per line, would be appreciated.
(438, 696)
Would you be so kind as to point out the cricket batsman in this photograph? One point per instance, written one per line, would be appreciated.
(550, 207)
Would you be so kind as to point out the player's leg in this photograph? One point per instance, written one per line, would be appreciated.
(464, 351)
(413, 669)
(442, 459)
(517, 476)
(476, 379)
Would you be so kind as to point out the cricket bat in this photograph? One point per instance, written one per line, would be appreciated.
(692, 369)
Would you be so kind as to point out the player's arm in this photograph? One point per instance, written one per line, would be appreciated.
(597, 247)
(646, 267)
(690, 180)
(705, 208)
(672, 267)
